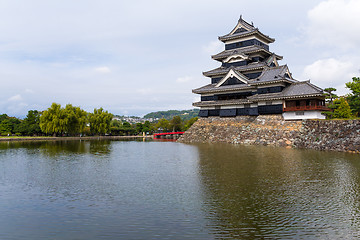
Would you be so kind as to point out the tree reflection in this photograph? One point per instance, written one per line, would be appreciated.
(100, 147)
(56, 148)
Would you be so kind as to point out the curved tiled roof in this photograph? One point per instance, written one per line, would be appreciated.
(211, 88)
(302, 88)
(271, 74)
(296, 90)
(224, 70)
(249, 30)
(243, 50)
(222, 103)
(246, 34)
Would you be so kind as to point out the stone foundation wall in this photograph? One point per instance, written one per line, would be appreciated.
(337, 135)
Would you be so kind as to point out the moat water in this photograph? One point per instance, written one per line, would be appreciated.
(168, 190)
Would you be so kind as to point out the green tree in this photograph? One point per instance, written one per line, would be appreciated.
(354, 97)
(190, 122)
(30, 126)
(176, 124)
(147, 127)
(115, 127)
(100, 121)
(329, 95)
(341, 109)
(127, 129)
(9, 125)
(76, 119)
(5, 125)
(53, 120)
(3, 117)
(139, 128)
(162, 125)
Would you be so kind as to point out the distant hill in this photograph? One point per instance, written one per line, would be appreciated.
(184, 114)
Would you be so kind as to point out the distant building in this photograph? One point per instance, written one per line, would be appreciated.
(250, 81)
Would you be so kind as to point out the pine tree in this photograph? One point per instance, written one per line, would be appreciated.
(342, 109)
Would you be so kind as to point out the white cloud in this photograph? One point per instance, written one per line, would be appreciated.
(184, 79)
(29, 91)
(144, 91)
(15, 98)
(213, 47)
(330, 73)
(335, 23)
(103, 69)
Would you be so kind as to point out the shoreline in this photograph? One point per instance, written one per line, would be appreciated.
(325, 135)
(4, 139)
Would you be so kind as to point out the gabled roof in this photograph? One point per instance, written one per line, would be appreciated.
(242, 24)
(246, 30)
(232, 74)
(271, 74)
(272, 59)
(298, 90)
(302, 88)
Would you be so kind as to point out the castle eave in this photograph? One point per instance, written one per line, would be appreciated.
(281, 96)
(244, 50)
(222, 103)
(246, 68)
(230, 88)
(246, 34)
(254, 83)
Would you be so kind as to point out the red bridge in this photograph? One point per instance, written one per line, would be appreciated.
(168, 135)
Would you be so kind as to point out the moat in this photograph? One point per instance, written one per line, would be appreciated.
(168, 190)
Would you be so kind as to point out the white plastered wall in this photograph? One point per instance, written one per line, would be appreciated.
(307, 115)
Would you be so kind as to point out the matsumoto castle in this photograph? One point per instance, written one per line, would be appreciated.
(251, 82)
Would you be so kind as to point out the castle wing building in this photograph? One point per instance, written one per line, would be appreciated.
(250, 81)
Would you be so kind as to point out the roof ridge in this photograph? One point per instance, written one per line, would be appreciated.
(241, 20)
(314, 86)
(266, 68)
(302, 82)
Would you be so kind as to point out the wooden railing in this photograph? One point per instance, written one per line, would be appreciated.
(306, 108)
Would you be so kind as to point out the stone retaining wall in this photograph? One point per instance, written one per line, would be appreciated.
(337, 135)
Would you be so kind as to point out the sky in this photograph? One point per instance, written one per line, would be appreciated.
(136, 57)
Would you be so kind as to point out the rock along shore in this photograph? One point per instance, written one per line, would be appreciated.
(335, 135)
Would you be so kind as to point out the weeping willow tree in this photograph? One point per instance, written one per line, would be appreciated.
(57, 120)
(100, 121)
(76, 119)
(53, 120)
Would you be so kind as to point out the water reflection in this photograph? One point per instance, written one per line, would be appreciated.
(167, 190)
(256, 192)
(101, 190)
(56, 148)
